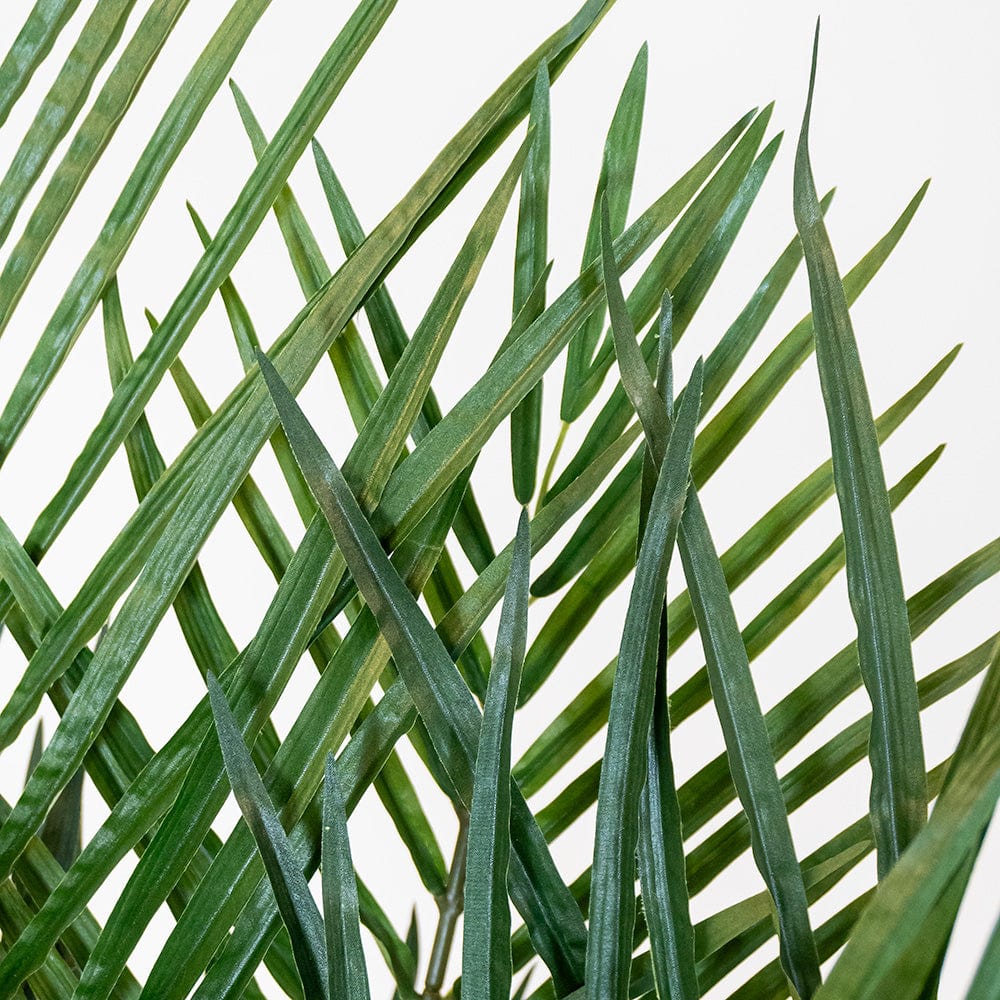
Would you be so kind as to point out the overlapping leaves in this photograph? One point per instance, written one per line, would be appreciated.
(377, 541)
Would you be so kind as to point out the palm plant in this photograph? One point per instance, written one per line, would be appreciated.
(396, 573)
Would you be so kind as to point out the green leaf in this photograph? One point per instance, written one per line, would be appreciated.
(61, 105)
(370, 463)
(449, 446)
(170, 136)
(215, 264)
(720, 365)
(54, 980)
(761, 540)
(988, 974)
(875, 586)
(391, 340)
(257, 922)
(750, 759)
(158, 787)
(735, 419)
(621, 153)
(698, 242)
(247, 343)
(486, 960)
(391, 418)
(530, 256)
(822, 767)
(443, 179)
(793, 599)
(662, 869)
(789, 721)
(262, 526)
(295, 901)
(355, 372)
(203, 628)
(36, 875)
(81, 157)
(400, 959)
(520, 366)
(348, 974)
(612, 904)
(294, 776)
(441, 696)
(45, 21)
(903, 907)
(403, 804)
(166, 567)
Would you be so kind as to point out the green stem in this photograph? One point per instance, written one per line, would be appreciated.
(551, 465)
(450, 907)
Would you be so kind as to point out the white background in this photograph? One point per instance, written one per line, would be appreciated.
(905, 91)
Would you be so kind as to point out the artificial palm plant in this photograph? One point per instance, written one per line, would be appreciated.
(393, 580)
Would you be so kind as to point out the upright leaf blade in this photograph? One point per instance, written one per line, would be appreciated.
(486, 958)
(348, 975)
(439, 692)
(295, 901)
(662, 867)
(984, 985)
(529, 263)
(875, 585)
(902, 910)
(612, 902)
(621, 151)
(750, 759)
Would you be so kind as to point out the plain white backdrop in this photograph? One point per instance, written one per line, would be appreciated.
(905, 91)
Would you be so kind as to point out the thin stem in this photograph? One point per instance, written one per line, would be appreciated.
(450, 907)
(551, 465)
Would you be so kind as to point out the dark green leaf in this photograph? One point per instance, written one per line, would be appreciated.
(348, 975)
(440, 694)
(874, 582)
(295, 901)
(748, 751)
(621, 153)
(530, 257)
(486, 961)
(612, 905)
